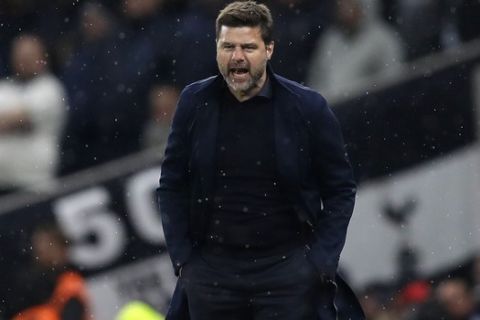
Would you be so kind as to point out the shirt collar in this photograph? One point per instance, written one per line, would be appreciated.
(266, 90)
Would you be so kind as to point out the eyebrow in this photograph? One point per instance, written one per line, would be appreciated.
(243, 45)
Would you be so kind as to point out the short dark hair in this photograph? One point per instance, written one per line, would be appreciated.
(246, 14)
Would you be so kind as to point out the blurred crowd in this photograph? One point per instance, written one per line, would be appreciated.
(86, 82)
(46, 286)
(451, 294)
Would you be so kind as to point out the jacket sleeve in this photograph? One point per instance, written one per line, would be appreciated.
(334, 176)
(175, 180)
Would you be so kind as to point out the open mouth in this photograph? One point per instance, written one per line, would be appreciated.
(239, 71)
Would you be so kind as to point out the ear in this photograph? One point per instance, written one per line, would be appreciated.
(269, 47)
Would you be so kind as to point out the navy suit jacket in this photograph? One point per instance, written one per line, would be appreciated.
(311, 162)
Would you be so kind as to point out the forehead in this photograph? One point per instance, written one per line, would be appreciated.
(27, 45)
(240, 34)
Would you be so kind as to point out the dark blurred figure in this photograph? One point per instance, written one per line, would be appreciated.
(52, 20)
(468, 19)
(3, 68)
(195, 41)
(109, 76)
(298, 24)
(86, 78)
(430, 310)
(412, 14)
(50, 288)
(475, 278)
(162, 102)
(427, 26)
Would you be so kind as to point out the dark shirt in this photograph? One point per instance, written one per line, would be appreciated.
(251, 214)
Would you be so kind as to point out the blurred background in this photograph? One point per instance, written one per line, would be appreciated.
(87, 93)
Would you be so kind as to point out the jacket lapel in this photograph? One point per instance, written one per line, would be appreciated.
(204, 149)
(286, 119)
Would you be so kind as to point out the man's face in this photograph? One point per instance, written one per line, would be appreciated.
(454, 296)
(28, 57)
(349, 13)
(242, 58)
(47, 249)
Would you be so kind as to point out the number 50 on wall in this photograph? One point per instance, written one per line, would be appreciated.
(86, 214)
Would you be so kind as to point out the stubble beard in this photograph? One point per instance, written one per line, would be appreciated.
(244, 87)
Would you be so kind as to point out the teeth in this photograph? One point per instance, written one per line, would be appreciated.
(239, 70)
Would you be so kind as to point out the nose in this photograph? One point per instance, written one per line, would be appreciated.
(238, 55)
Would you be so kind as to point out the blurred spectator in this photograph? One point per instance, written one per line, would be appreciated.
(50, 286)
(109, 77)
(298, 24)
(475, 278)
(412, 297)
(194, 49)
(109, 52)
(162, 101)
(15, 16)
(85, 76)
(456, 297)
(51, 20)
(467, 19)
(438, 29)
(3, 67)
(359, 46)
(32, 109)
(412, 13)
(137, 310)
(429, 310)
(375, 300)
